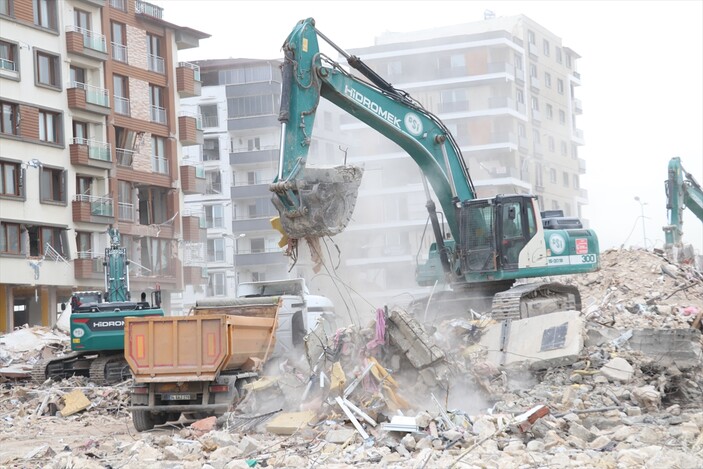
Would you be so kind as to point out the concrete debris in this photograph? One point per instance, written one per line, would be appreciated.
(619, 384)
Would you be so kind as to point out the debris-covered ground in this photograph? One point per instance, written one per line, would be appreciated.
(619, 385)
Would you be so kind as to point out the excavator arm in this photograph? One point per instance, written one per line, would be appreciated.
(682, 191)
(319, 202)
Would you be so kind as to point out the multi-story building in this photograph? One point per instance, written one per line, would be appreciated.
(90, 137)
(239, 105)
(505, 88)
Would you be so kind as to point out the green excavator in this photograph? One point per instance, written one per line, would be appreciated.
(491, 242)
(682, 192)
(97, 325)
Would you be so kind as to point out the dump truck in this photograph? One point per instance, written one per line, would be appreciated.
(198, 364)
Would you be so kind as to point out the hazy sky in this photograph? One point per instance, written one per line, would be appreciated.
(641, 74)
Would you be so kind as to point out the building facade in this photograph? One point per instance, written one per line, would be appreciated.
(91, 137)
(506, 89)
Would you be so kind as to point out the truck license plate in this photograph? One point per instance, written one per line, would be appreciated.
(178, 397)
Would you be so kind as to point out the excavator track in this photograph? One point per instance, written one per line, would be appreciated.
(534, 299)
(109, 369)
(58, 368)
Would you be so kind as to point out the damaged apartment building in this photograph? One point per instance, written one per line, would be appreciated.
(91, 137)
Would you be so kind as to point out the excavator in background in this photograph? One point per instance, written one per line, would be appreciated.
(97, 325)
(490, 243)
(682, 191)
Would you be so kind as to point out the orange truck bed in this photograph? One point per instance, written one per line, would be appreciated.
(195, 348)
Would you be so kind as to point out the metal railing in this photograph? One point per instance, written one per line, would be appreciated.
(159, 164)
(93, 94)
(122, 105)
(8, 65)
(148, 9)
(195, 68)
(126, 212)
(101, 206)
(91, 39)
(124, 157)
(119, 4)
(198, 118)
(158, 114)
(259, 148)
(211, 121)
(96, 150)
(119, 52)
(156, 63)
(213, 188)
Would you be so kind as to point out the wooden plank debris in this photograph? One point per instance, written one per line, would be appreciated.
(75, 401)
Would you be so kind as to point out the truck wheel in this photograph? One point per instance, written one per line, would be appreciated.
(143, 420)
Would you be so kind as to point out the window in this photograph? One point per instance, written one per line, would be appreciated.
(565, 179)
(577, 183)
(209, 114)
(216, 284)
(155, 255)
(255, 143)
(531, 37)
(8, 121)
(568, 60)
(538, 175)
(547, 80)
(557, 50)
(42, 236)
(77, 75)
(47, 69)
(211, 149)
(238, 76)
(216, 250)
(11, 179)
(562, 116)
(119, 41)
(258, 245)
(247, 106)
(120, 85)
(553, 176)
(545, 47)
(551, 143)
(214, 216)
(8, 55)
(154, 54)
(159, 162)
(521, 130)
(156, 101)
(574, 151)
(213, 181)
(520, 96)
(80, 131)
(533, 70)
(535, 136)
(49, 127)
(457, 61)
(395, 68)
(563, 148)
(518, 61)
(9, 238)
(53, 185)
(153, 205)
(84, 245)
(6, 7)
(550, 111)
(82, 19)
(534, 103)
(560, 86)
(45, 13)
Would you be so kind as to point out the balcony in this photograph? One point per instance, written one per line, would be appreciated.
(497, 102)
(210, 121)
(87, 43)
(88, 98)
(241, 225)
(93, 209)
(8, 69)
(535, 84)
(519, 76)
(157, 114)
(148, 9)
(522, 143)
(269, 257)
(126, 212)
(265, 154)
(532, 49)
(577, 136)
(536, 116)
(159, 165)
(194, 230)
(156, 64)
(253, 122)
(91, 153)
(537, 150)
(192, 179)
(124, 157)
(188, 80)
(454, 106)
(582, 166)
(190, 129)
(119, 52)
(578, 107)
(122, 106)
(87, 267)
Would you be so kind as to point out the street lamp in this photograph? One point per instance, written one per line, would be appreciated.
(644, 234)
(235, 247)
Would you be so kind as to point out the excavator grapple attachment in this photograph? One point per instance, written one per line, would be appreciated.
(318, 201)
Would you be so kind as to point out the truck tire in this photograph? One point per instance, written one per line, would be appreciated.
(143, 420)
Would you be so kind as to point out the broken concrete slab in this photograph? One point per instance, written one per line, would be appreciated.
(74, 402)
(408, 335)
(681, 347)
(546, 341)
(618, 369)
(287, 423)
(340, 435)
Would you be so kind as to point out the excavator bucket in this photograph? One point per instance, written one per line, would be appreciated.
(318, 201)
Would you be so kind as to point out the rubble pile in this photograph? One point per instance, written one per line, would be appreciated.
(618, 385)
(22, 348)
